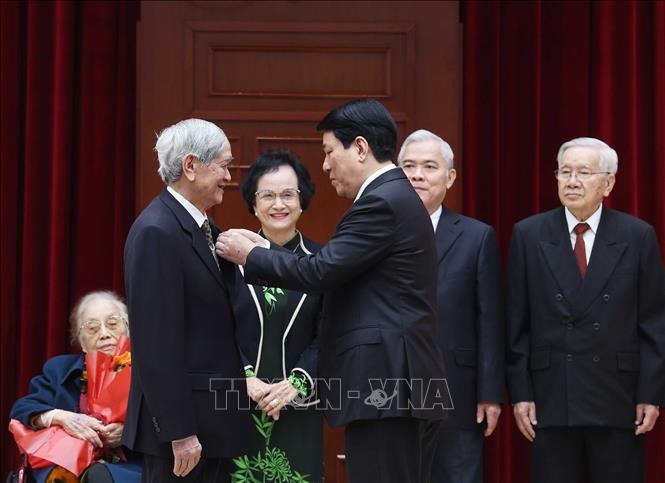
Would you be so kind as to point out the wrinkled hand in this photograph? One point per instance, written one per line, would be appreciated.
(111, 434)
(645, 417)
(80, 426)
(279, 395)
(186, 455)
(256, 388)
(234, 245)
(525, 417)
(489, 411)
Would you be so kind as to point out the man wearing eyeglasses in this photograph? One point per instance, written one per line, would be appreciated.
(183, 330)
(586, 328)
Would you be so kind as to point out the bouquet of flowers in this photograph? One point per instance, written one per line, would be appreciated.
(108, 378)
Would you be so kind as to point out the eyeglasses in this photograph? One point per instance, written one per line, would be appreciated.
(582, 175)
(93, 326)
(288, 196)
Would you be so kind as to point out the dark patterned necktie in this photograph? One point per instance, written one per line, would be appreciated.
(580, 250)
(207, 233)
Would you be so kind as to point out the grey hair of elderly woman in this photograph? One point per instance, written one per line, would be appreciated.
(201, 138)
(76, 318)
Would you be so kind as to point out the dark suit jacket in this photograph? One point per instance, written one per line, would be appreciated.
(586, 351)
(379, 322)
(471, 331)
(183, 340)
(299, 346)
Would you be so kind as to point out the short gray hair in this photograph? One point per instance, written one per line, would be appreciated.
(203, 139)
(607, 157)
(76, 318)
(425, 135)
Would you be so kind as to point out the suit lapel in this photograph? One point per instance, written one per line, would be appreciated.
(558, 254)
(447, 232)
(199, 243)
(605, 255)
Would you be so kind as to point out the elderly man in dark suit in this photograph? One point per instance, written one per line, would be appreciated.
(471, 332)
(586, 328)
(182, 413)
(381, 368)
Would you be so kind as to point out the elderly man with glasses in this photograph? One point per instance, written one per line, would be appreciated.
(586, 328)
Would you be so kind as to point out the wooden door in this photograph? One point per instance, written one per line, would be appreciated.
(267, 72)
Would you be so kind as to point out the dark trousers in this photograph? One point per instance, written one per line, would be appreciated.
(158, 469)
(587, 455)
(459, 456)
(396, 450)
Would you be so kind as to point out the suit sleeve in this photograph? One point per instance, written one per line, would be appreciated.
(156, 290)
(651, 322)
(363, 237)
(41, 393)
(518, 323)
(489, 322)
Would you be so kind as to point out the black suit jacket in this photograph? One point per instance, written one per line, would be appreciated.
(183, 343)
(378, 335)
(299, 341)
(471, 330)
(586, 350)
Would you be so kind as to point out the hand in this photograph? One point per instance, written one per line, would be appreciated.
(80, 426)
(256, 388)
(489, 411)
(235, 245)
(525, 417)
(278, 396)
(186, 455)
(111, 434)
(645, 417)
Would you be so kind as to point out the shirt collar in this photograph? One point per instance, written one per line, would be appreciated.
(593, 221)
(436, 216)
(372, 177)
(199, 217)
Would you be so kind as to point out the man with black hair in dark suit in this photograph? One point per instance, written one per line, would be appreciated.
(378, 275)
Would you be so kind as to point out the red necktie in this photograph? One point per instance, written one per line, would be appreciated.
(580, 250)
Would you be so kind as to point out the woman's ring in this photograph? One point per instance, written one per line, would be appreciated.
(274, 403)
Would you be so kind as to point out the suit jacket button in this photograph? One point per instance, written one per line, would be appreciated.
(606, 297)
(559, 297)
(569, 326)
(596, 358)
(569, 357)
(596, 326)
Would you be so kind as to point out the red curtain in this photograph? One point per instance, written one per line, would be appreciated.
(537, 74)
(67, 150)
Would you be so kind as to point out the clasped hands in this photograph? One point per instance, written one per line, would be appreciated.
(234, 245)
(86, 427)
(271, 398)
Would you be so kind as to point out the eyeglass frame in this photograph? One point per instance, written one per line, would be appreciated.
(85, 323)
(276, 195)
(585, 176)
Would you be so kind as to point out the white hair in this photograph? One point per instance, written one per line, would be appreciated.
(201, 138)
(607, 157)
(76, 319)
(425, 135)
